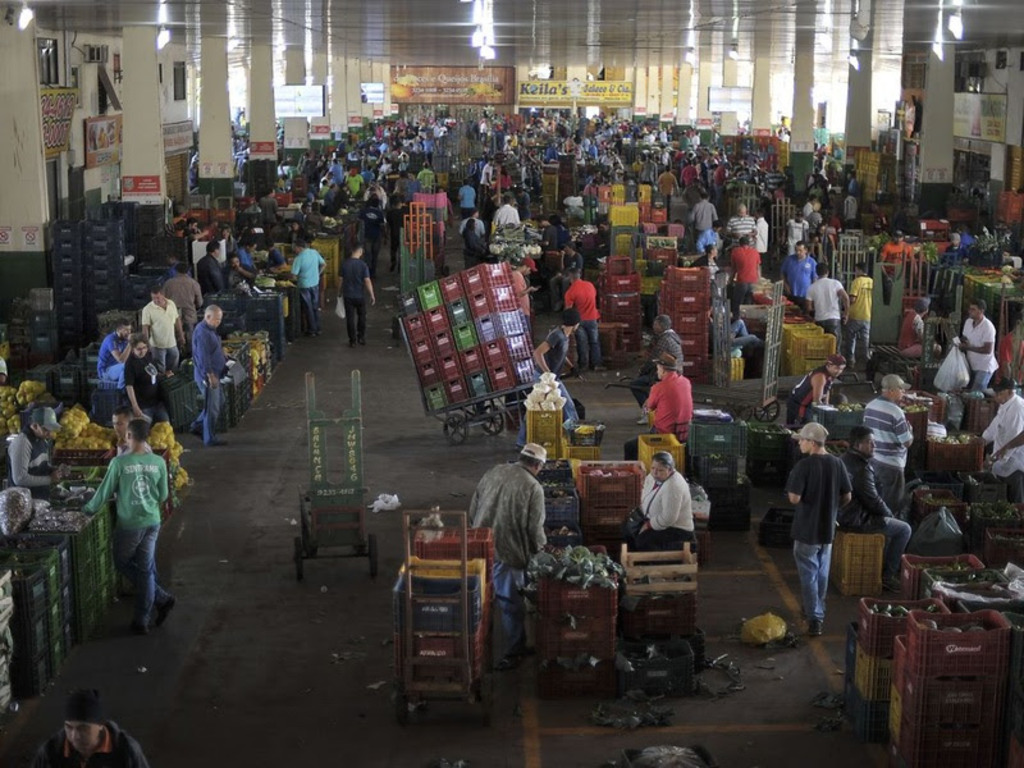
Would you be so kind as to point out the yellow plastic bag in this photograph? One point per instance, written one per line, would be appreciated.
(763, 629)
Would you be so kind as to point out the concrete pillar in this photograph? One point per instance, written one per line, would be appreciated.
(216, 165)
(705, 76)
(354, 107)
(859, 115)
(801, 146)
(730, 123)
(262, 119)
(655, 87)
(294, 66)
(143, 178)
(318, 75)
(937, 131)
(378, 74)
(23, 201)
(761, 101)
(685, 94)
(336, 98)
(640, 91)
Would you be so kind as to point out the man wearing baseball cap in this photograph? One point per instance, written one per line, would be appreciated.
(28, 455)
(509, 500)
(893, 436)
(1006, 433)
(88, 738)
(818, 486)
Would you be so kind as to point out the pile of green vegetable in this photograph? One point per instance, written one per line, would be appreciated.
(576, 565)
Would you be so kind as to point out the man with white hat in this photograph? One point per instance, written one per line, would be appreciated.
(1006, 433)
(510, 500)
(818, 486)
(893, 436)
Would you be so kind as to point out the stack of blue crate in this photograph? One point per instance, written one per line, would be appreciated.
(103, 258)
(66, 265)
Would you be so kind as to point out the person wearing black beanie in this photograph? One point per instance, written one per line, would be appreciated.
(88, 738)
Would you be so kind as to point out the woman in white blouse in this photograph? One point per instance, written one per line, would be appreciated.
(665, 503)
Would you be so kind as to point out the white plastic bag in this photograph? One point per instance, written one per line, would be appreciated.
(339, 308)
(954, 373)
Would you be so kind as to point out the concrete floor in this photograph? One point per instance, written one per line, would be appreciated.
(243, 673)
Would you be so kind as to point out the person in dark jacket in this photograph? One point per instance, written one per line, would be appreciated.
(89, 739)
(209, 272)
(867, 511)
(28, 455)
(474, 244)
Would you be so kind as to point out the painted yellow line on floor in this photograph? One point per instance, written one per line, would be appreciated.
(693, 728)
(793, 604)
(531, 724)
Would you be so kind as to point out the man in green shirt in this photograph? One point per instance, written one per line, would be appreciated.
(139, 478)
(427, 178)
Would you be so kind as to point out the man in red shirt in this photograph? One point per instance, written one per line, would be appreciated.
(671, 399)
(746, 271)
(582, 295)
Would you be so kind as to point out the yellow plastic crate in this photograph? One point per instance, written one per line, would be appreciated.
(619, 196)
(895, 712)
(623, 245)
(449, 569)
(644, 193)
(873, 676)
(650, 286)
(330, 249)
(736, 368)
(544, 426)
(649, 445)
(624, 215)
(583, 452)
(857, 563)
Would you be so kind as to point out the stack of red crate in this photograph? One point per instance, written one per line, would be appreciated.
(686, 298)
(608, 491)
(576, 624)
(620, 299)
(949, 685)
(614, 351)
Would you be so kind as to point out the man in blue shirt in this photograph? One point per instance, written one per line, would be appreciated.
(710, 237)
(210, 364)
(114, 352)
(799, 270)
(307, 268)
(467, 199)
(355, 285)
(337, 172)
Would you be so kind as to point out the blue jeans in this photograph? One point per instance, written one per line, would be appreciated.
(166, 359)
(310, 298)
(980, 380)
(568, 410)
(213, 401)
(507, 583)
(857, 334)
(588, 345)
(114, 373)
(812, 564)
(135, 558)
(156, 413)
(897, 535)
(372, 250)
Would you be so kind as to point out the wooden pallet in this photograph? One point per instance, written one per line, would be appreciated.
(659, 572)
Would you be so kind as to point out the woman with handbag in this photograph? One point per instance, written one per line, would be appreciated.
(664, 519)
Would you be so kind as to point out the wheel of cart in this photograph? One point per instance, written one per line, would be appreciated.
(487, 411)
(442, 626)
(332, 515)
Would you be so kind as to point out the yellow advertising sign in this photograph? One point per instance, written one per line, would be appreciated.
(980, 116)
(551, 93)
(58, 107)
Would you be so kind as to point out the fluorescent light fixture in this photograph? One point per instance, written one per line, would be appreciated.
(937, 43)
(163, 37)
(25, 17)
(161, 14)
(956, 25)
(465, 1)
(477, 40)
(854, 61)
(478, 12)
(734, 52)
(486, 52)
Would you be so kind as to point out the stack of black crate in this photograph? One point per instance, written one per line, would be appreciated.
(103, 253)
(66, 265)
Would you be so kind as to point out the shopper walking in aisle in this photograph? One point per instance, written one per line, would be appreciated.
(139, 478)
(163, 330)
(582, 294)
(828, 303)
(356, 285)
(978, 340)
(467, 198)
(703, 214)
(474, 244)
(817, 486)
(742, 224)
(746, 273)
(798, 272)
(867, 511)
(209, 272)
(88, 734)
(510, 501)
(187, 296)
(667, 509)
(1006, 433)
(307, 267)
(761, 235)
(797, 231)
(374, 221)
(857, 332)
(893, 436)
(210, 365)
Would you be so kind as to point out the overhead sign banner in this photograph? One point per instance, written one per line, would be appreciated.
(554, 93)
(144, 190)
(452, 85)
(177, 138)
(299, 101)
(980, 116)
(102, 141)
(58, 108)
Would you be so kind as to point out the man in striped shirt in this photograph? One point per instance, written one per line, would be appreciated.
(742, 224)
(893, 437)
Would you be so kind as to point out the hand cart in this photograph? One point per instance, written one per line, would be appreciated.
(439, 655)
(333, 514)
(487, 411)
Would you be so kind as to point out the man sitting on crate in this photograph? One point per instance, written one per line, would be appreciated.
(672, 401)
(666, 341)
(510, 501)
(867, 511)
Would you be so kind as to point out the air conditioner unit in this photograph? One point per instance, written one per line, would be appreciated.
(97, 54)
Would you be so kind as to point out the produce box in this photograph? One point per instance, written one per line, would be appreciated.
(982, 487)
(767, 442)
(872, 676)
(662, 668)
(716, 471)
(912, 566)
(880, 620)
(838, 419)
(561, 506)
(659, 572)
(659, 615)
(996, 515)
(857, 563)
(939, 583)
(924, 501)
(932, 652)
(775, 528)
(1004, 545)
(956, 453)
(722, 439)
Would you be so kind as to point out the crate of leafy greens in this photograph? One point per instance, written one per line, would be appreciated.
(911, 567)
(575, 581)
(950, 587)
(838, 419)
(962, 452)
(983, 487)
(942, 481)
(1000, 514)
(767, 442)
(926, 501)
(1004, 545)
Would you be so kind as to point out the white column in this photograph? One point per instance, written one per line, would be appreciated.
(761, 106)
(318, 74)
(262, 119)
(705, 76)
(859, 115)
(654, 91)
(685, 94)
(354, 107)
(336, 97)
(730, 123)
(801, 144)
(294, 66)
(640, 90)
(937, 130)
(215, 160)
(143, 151)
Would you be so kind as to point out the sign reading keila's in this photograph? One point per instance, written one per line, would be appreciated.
(561, 92)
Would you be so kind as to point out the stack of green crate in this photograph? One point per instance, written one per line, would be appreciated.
(6, 637)
(93, 568)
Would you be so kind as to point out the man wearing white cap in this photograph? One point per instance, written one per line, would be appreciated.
(510, 500)
(893, 436)
(818, 486)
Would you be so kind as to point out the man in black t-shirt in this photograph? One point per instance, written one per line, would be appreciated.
(818, 485)
(142, 382)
